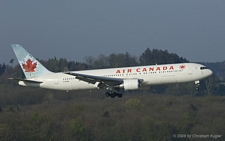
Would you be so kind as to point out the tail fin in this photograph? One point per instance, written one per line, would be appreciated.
(30, 66)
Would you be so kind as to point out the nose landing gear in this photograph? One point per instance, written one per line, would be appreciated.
(197, 83)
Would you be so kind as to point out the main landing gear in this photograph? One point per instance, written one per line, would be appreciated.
(197, 83)
(113, 94)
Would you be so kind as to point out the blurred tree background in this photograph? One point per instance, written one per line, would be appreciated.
(153, 114)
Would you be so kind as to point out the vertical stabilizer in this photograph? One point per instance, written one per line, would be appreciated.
(30, 66)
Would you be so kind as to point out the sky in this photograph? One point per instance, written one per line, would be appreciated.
(75, 29)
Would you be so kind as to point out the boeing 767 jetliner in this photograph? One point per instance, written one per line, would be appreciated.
(114, 80)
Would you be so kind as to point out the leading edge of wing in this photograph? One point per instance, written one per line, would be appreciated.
(93, 79)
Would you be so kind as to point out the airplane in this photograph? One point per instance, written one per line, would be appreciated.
(114, 80)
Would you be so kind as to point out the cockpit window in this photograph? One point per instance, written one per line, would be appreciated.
(202, 68)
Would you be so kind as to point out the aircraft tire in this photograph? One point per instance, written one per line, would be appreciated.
(107, 94)
(119, 95)
(197, 88)
(112, 96)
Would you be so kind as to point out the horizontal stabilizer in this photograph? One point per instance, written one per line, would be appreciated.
(26, 80)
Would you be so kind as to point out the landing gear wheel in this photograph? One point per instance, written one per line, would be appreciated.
(119, 95)
(197, 88)
(112, 96)
(107, 94)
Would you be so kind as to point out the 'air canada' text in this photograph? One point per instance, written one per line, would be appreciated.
(131, 70)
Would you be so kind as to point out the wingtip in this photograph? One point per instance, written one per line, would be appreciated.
(15, 45)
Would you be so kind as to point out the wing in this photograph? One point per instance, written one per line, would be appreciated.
(104, 82)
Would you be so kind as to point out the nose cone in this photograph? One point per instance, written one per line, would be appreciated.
(210, 72)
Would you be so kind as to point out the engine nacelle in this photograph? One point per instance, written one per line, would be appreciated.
(131, 84)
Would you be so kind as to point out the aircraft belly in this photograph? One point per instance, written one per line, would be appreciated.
(55, 84)
(168, 79)
(81, 85)
(47, 85)
(85, 85)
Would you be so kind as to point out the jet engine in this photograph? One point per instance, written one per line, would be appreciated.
(131, 84)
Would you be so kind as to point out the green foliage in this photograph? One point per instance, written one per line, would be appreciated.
(186, 122)
(106, 114)
(133, 104)
(153, 130)
(36, 119)
(2, 68)
(78, 129)
(87, 118)
(19, 126)
(155, 56)
(41, 127)
(111, 61)
(62, 65)
(211, 98)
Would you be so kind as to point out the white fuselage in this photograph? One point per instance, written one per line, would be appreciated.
(151, 75)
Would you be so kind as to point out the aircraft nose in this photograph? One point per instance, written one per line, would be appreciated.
(210, 72)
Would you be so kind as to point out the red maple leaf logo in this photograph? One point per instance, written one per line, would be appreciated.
(29, 66)
(182, 67)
